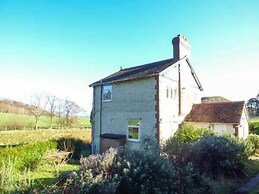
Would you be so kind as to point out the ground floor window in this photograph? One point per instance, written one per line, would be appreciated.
(133, 129)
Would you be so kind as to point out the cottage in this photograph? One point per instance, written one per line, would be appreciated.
(221, 117)
(148, 100)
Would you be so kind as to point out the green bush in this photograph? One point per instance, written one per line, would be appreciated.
(134, 172)
(255, 141)
(11, 124)
(247, 145)
(94, 175)
(254, 127)
(251, 126)
(178, 145)
(26, 156)
(217, 155)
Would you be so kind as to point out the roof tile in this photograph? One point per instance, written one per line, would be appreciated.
(218, 112)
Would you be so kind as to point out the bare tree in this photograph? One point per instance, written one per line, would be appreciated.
(60, 111)
(37, 107)
(70, 110)
(52, 106)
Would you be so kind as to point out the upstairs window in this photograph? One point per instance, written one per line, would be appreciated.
(107, 93)
(175, 94)
(133, 130)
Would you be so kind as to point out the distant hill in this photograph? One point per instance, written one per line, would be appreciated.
(12, 106)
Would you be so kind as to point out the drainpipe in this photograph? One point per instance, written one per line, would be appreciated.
(92, 120)
(179, 91)
(100, 112)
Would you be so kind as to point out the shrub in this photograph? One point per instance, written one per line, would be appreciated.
(254, 127)
(11, 124)
(152, 173)
(178, 145)
(94, 175)
(189, 134)
(26, 156)
(247, 145)
(77, 146)
(217, 155)
(254, 139)
(251, 126)
(134, 172)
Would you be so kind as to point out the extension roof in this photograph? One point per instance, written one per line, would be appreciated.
(143, 71)
(217, 112)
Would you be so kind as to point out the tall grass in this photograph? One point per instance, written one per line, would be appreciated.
(10, 181)
(7, 176)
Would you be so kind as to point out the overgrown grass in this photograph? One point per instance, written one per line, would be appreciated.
(17, 121)
(44, 177)
(254, 125)
(17, 137)
(42, 180)
(254, 119)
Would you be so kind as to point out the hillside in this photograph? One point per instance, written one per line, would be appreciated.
(12, 106)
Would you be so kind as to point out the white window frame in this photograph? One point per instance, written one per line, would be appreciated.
(175, 93)
(104, 90)
(133, 126)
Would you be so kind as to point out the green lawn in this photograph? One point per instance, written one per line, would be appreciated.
(18, 121)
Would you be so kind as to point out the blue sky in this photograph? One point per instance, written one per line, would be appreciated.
(60, 46)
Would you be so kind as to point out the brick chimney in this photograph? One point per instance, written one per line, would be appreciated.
(181, 47)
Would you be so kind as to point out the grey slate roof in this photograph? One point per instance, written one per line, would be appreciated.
(137, 72)
(143, 71)
(217, 112)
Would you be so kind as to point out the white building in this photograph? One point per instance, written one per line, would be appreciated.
(149, 100)
(221, 117)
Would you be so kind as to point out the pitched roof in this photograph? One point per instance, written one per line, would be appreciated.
(218, 112)
(136, 72)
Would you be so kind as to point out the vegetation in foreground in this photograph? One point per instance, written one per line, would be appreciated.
(254, 125)
(39, 158)
(192, 161)
(18, 137)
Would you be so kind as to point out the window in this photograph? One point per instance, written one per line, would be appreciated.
(175, 94)
(133, 130)
(167, 92)
(107, 93)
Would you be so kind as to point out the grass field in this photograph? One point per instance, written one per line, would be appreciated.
(18, 137)
(17, 121)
